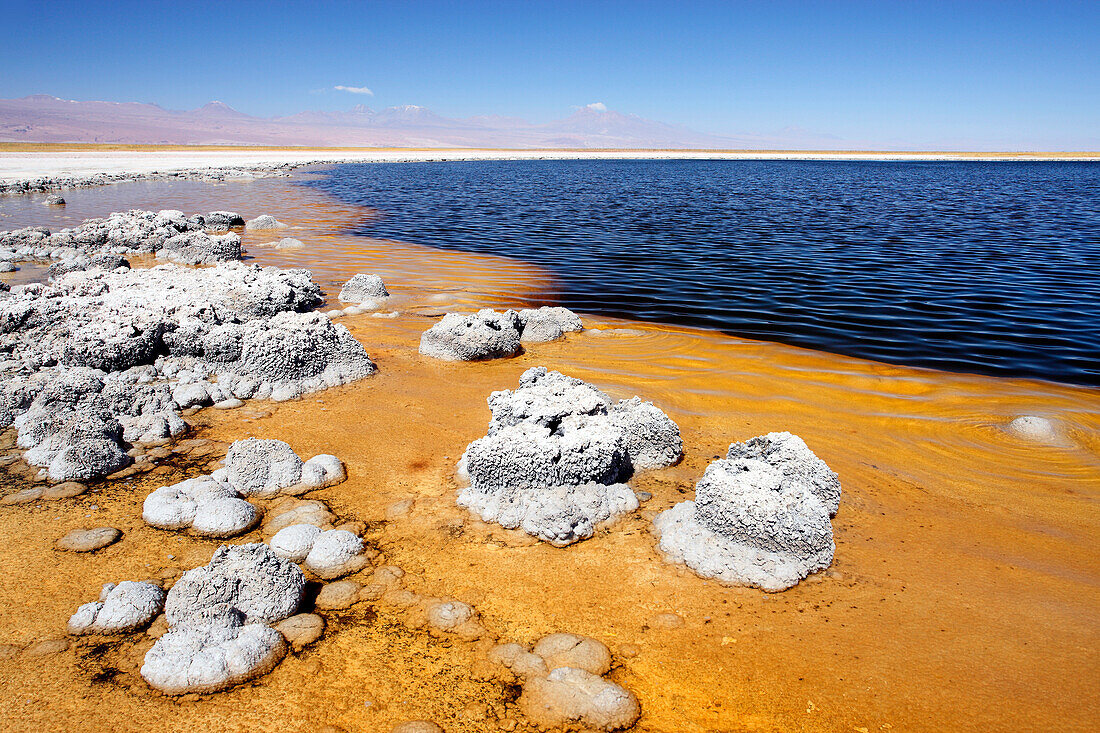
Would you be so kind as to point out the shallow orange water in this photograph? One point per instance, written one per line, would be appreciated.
(965, 594)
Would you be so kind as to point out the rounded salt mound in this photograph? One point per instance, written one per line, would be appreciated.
(568, 695)
(747, 526)
(362, 288)
(212, 657)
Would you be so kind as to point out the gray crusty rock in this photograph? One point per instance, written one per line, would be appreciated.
(560, 515)
(121, 608)
(556, 454)
(212, 656)
(473, 337)
(335, 553)
(363, 288)
(748, 525)
(258, 467)
(200, 248)
(547, 323)
(55, 200)
(294, 542)
(488, 334)
(262, 222)
(555, 401)
(790, 455)
(250, 579)
(211, 508)
(290, 353)
(219, 615)
(220, 219)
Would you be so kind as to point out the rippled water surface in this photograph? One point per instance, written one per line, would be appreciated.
(979, 266)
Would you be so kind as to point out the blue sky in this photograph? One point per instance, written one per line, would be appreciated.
(903, 74)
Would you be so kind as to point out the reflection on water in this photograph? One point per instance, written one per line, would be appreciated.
(980, 267)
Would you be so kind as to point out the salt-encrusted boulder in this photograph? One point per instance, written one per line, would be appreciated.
(573, 696)
(257, 467)
(363, 288)
(294, 542)
(748, 526)
(528, 455)
(560, 515)
(323, 470)
(121, 608)
(112, 345)
(219, 615)
(473, 337)
(208, 506)
(518, 660)
(227, 219)
(574, 650)
(557, 453)
(335, 553)
(262, 222)
(250, 579)
(55, 199)
(289, 243)
(545, 398)
(212, 656)
(547, 323)
(790, 455)
(292, 353)
(200, 248)
(104, 261)
(561, 403)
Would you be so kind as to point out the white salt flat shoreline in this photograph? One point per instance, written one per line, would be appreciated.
(18, 166)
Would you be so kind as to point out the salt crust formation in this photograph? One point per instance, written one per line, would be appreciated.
(121, 608)
(168, 233)
(220, 619)
(264, 221)
(1034, 428)
(363, 288)
(760, 517)
(556, 454)
(564, 683)
(488, 334)
(106, 357)
(215, 506)
(55, 183)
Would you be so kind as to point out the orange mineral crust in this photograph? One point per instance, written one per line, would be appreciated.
(965, 592)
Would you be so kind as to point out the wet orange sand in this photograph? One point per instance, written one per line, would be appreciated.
(965, 594)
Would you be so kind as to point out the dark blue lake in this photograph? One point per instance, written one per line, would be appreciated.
(981, 267)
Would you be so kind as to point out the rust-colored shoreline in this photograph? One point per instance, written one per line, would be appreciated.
(964, 595)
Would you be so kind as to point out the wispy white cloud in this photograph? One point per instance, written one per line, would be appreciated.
(354, 90)
(596, 107)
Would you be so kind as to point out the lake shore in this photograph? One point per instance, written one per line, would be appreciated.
(20, 161)
(963, 595)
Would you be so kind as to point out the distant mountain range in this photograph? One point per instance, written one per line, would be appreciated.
(43, 118)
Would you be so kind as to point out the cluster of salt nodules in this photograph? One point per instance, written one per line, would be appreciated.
(220, 621)
(760, 516)
(564, 683)
(488, 334)
(201, 239)
(215, 505)
(121, 608)
(99, 359)
(557, 453)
